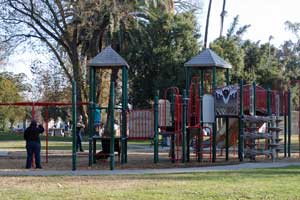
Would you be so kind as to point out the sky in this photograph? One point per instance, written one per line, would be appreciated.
(266, 17)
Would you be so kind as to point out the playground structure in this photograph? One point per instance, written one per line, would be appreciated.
(189, 119)
(183, 118)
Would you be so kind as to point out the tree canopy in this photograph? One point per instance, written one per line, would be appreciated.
(155, 37)
(11, 90)
(157, 54)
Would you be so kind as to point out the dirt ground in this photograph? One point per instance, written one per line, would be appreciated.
(137, 159)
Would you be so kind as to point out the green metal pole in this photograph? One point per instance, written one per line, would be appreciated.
(156, 128)
(214, 143)
(74, 119)
(289, 123)
(269, 104)
(227, 122)
(269, 109)
(112, 123)
(126, 93)
(124, 117)
(91, 115)
(202, 86)
(94, 110)
(241, 123)
(184, 120)
(199, 146)
(201, 95)
(200, 157)
(187, 78)
(173, 156)
(285, 134)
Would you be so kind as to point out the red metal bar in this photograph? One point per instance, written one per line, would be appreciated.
(246, 96)
(273, 101)
(202, 139)
(177, 116)
(32, 112)
(234, 145)
(193, 103)
(40, 103)
(32, 117)
(178, 123)
(261, 96)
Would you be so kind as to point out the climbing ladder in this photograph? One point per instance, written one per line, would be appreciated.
(253, 137)
(173, 128)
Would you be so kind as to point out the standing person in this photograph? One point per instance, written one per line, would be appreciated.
(33, 144)
(79, 129)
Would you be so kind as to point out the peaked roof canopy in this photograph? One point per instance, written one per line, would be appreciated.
(207, 59)
(108, 58)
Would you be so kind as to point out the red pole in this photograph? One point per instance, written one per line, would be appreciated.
(202, 137)
(234, 144)
(32, 111)
(46, 121)
(32, 117)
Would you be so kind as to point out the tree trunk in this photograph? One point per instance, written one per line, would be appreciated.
(207, 24)
(223, 13)
(77, 77)
(113, 79)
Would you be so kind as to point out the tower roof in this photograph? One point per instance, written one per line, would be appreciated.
(207, 59)
(108, 58)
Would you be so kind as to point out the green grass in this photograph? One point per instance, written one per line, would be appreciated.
(282, 183)
(16, 142)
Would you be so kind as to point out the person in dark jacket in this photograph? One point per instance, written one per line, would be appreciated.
(79, 130)
(33, 144)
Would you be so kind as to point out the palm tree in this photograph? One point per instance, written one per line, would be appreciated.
(223, 14)
(207, 24)
(120, 19)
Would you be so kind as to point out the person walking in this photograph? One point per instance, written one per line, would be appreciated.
(33, 144)
(79, 129)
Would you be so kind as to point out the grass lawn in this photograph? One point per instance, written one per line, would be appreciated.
(16, 142)
(281, 183)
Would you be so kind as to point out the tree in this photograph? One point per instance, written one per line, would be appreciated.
(165, 43)
(289, 54)
(73, 31)
(207, 23)
(10, 92)
(223, 14)
(289, 59)
(51, 86)
(229, 48)
(157, 52)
